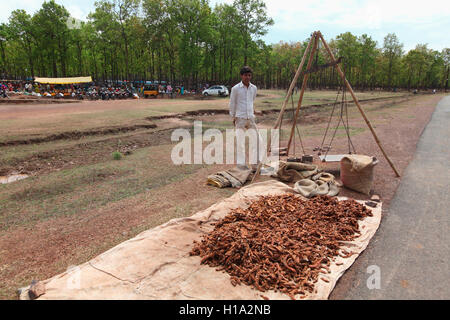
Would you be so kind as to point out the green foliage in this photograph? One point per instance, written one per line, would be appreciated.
(251, 21)
(117, 155)
(188, 41)
(392, 52)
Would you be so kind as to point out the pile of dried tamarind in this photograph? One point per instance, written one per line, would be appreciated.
(283, 242)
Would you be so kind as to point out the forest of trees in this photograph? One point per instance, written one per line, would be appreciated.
(187, 41)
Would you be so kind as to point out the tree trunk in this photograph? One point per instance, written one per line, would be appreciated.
(446, 81)
(245, 52)
(152, 72)
(390, 73)
(231, 68)
(80, 61)
(62, 55)
(55, 70)
(95, 65)
(159, 66)
(104, 68)
(126, 52)
(4, 64)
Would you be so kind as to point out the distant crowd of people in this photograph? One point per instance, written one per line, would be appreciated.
(94, 90)
(79, 91)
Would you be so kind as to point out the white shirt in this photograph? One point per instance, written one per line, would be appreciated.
(241, 101)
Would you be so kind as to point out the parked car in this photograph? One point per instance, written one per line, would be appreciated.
(216, 91)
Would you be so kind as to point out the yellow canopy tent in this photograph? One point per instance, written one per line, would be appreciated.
(63, 80)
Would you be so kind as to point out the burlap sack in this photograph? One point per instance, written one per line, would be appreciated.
(357, 172)
(309, 188)
(294, 171)
(234, 177)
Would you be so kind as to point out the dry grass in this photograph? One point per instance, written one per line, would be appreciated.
(26, 121)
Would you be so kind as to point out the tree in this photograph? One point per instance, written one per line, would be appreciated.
(414, 62)
(367, 54)
(161, 34)
(348, 48)
(50, 23)
(392, 50)
(124, 10)
(192, 18)
(187, 41)
(93, 53)
(21, 28)
(228, 41)
(112, 20)
(4, 35)
(252, 21)
(446, 60)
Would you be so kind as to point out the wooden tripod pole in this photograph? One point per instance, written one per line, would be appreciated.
(305, 81)
(294, 81)
(347, 84)
(283, 107)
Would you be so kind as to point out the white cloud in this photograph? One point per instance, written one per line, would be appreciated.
(370, 14)
(413, 20)
(77, 12)
(30, 6)
(77, 9)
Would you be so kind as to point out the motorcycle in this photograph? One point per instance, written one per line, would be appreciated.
(59, 95)
(105, 94)
(92, 95)
(128, 93)
(3, 93)
(79, 94)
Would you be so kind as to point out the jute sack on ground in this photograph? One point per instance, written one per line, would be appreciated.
(294, 171)
(156, 263)
(309, 188)
(357, 172)
(234, 177)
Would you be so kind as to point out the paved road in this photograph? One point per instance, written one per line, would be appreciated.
(412, 245)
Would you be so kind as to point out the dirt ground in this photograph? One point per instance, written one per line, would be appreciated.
(24, 121)
(43, 232)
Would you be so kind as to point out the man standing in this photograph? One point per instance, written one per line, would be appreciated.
(241, 110)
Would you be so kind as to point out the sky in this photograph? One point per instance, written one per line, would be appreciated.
(414, 22)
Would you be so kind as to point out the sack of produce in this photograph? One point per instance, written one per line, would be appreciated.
(357, 172)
